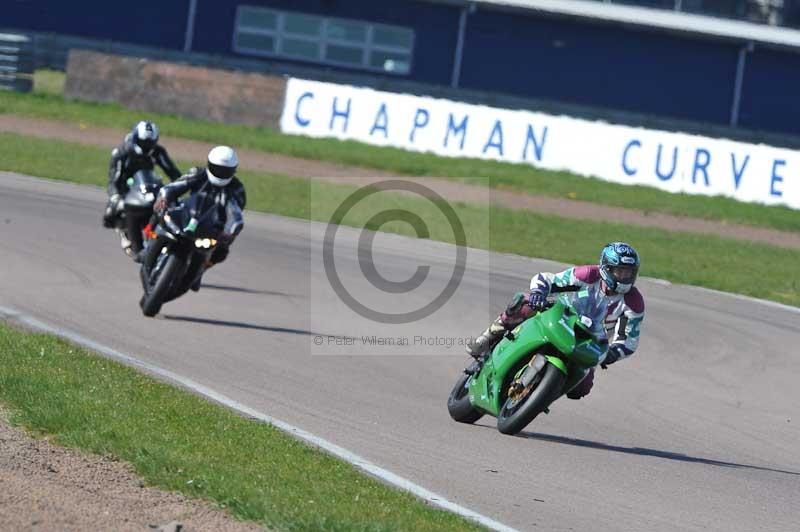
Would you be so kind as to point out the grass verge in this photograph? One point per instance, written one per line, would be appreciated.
(177, 441)
(519, 177)
(701, 260)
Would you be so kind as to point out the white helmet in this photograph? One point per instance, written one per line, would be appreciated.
(222, 165)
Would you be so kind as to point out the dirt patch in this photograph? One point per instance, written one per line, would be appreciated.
(266, 162)
(46, 487)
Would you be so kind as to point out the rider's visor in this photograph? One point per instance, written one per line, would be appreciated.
(624, 274)
(221, 172)
(146, 145)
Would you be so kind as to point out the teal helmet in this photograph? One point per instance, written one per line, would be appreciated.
(619, 266)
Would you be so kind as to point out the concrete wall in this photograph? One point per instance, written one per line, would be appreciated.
(195, 92)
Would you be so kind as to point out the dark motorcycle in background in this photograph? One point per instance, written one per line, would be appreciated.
(137, 208)
(184, 241)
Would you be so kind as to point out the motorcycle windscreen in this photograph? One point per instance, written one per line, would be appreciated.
(147, 178)
(142, 189)
(590, 308)
(205, 211)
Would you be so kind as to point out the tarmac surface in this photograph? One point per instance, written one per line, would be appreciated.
(698, 431)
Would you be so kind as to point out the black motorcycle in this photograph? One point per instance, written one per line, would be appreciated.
(185, 239)
(137, 208)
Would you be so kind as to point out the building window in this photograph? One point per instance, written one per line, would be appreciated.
(332, 41)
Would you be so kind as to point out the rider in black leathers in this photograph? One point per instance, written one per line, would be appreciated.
(139, 151)
(220, 185)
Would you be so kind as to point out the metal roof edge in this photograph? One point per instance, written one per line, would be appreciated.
(703, 25)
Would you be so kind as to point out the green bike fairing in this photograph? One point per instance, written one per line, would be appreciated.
(555, 327)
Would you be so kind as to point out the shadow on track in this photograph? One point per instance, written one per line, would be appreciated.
(241, 325)
(247, 290)
(643, 451)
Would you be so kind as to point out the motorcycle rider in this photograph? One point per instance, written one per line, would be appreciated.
(615, 277)
(219, 182)
(139, 151)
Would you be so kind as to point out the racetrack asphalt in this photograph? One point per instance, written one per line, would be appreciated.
(698, 431)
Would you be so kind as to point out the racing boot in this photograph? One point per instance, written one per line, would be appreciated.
(512, 316)
(487, 339)
(110, 213)
(125, 243)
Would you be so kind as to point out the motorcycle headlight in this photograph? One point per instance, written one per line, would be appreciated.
(205, 243)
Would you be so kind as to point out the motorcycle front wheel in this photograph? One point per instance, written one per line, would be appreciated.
(515, 415)
(154, 297)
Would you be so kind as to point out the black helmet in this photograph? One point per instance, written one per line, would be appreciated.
(144, 137)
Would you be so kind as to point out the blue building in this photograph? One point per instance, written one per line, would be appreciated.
(589, 54)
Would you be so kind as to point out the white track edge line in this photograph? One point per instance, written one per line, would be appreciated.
(331, 448)
(741, 297)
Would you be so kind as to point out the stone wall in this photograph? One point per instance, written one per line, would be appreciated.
(203, 93)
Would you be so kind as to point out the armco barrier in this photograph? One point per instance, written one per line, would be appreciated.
(16, 62)
(156, 86)
(675, 162)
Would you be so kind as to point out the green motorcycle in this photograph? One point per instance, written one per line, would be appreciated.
(545, 357)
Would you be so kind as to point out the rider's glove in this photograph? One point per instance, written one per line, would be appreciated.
(614, 353)
(160, 205)
(537, 300)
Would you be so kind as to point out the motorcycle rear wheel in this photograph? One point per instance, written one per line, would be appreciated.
(459, 405)
(514, 417)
